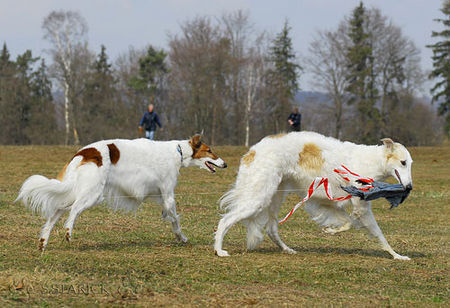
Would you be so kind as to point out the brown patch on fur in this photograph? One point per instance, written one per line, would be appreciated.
(311, 157)
(277, 135)
(248, 158)
(114, 153)
(392, 156)
(90, 155)
(195, 141)
(61, 174)
(203, 151)
(199, 149)
(67, 235)
(388, 143)
(41, 244)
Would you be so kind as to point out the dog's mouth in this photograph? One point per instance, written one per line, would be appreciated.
(211, 166)
(398, 176)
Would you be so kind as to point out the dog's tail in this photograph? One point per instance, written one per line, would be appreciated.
(228, 201)
(46, 196)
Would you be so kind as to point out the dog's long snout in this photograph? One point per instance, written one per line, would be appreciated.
(224, 165)
(409, 187)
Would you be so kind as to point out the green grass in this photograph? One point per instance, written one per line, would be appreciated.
(117, 259)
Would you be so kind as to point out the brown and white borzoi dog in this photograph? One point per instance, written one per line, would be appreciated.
(292, 161)
(122, 172)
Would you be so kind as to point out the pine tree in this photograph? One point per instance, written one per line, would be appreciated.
(361, 78)
(101, 65)
(98, 114)
(7, 96)
(284, 75)
(441, 64)
(4, 56)
(28, 115)
(151, 69)
(23, 100)
(43, 127)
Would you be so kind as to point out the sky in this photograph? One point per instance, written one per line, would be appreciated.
(119, 24)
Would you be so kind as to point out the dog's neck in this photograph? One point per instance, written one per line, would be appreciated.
(184, 151)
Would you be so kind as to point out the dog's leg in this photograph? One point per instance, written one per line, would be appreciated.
(272, 225)
(227, 221)
(272, 232)
(170, 214)
(45, 233)
(89, 190)
(90, 199)
(363, 212)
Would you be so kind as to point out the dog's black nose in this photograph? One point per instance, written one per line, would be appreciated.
(225, 165)
(409, 187)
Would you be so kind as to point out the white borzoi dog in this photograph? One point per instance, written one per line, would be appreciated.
(292, 161)
(122, 172)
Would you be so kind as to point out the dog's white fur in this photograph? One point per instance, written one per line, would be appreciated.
(276, 167)
(144, 168)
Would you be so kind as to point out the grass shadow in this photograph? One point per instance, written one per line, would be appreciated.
(122, 245)
(345, 251)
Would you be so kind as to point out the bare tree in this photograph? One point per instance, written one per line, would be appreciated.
(396, 58)
(327, 63)
(66, 31)
(236, 27)
(199, 60)
(256, 67)
(396, 67)
(247, 68)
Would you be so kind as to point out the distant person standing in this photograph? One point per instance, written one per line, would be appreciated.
(149, 122)
(295, 120)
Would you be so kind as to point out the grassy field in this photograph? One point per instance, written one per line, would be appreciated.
(116, 259)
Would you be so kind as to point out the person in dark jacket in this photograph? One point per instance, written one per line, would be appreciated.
(149, 122)
(295, 120)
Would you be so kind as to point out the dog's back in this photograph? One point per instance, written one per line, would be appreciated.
(297, 157)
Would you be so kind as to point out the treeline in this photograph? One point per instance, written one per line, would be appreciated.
(221, 76)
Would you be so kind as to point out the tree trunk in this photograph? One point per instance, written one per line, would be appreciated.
(66, 112)
(338, 114)
(248, 105)
(214, 120)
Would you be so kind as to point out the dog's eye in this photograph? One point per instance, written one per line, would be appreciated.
(403, 162)
(209, 151)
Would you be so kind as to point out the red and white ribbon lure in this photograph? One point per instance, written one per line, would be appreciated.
(345, 173)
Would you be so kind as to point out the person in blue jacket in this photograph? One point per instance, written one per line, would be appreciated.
(149, 122)
(295, 120)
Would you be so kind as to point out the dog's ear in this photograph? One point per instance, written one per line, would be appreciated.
(196, 141)
(388, 143)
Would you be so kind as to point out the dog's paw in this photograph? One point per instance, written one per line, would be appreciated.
(42, 244)
(222, 253)
(68, 236)
(399, 257)
(182, 238)
(329, 230)
(289, 251)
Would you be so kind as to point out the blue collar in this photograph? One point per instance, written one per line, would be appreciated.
(180, 151)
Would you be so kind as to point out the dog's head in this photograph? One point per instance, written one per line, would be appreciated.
(398, 162)
(203, 156)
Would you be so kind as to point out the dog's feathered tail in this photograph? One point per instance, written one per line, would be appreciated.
(46, 196)
(234, 200)
(229, 200)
